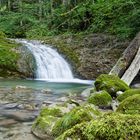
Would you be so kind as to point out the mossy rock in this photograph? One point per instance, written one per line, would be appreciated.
(111, 84)
(44, 123)
(113, 126)
(128, 93)
(101, 98)
(75, 116)
(130, 105)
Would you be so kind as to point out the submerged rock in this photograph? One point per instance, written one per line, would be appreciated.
(111, 84)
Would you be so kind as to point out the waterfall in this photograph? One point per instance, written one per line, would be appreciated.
(50, 64)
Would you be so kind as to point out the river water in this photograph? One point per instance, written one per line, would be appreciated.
(20, 101)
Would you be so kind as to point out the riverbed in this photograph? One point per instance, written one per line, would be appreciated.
(21, 100)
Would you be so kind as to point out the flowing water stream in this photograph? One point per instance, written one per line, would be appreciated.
(20, 100)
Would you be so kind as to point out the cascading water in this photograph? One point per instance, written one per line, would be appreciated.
(50, 65)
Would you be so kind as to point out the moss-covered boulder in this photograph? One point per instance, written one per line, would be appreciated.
(128, 93)
(77, 115)
(109, 127)
(44, 123)
(101, 98)
(130, 105)
(111, 84)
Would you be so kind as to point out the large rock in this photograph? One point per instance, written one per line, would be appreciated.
(101, 98)
(111, 84)
(44, 123)
(77, 115)
(109, 127)
(26, 63)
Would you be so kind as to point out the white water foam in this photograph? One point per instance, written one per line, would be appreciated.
(50, 65)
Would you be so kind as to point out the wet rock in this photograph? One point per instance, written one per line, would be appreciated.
(7, 122)
(62, 99)
(46, 91)
(26, 64)
(119, 93)
(114, 105)
(137, 85)
(22, 116)
(10, 106)
(22, 89)
(86, 92)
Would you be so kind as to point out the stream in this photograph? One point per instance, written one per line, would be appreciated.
(20, 101)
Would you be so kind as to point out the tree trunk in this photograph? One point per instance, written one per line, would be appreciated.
(9, 5)
(20, 10)
(40, 9)
(127, 57)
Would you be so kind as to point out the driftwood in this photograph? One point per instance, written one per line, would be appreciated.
(128, 65)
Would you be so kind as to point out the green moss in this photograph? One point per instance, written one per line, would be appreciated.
(130, 105)
(8, 57)
(75, 133)
(111, 84)
(109, 127)
(101, 98)
(42, 127)
(56, 112)
(77, 115)
(127, 94)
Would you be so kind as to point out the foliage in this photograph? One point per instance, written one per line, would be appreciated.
(130, 105)
(113, 126)
(101, 98)
(111, 84)
(127, 94)
(41, 17)
(8, 57)
(77, 115)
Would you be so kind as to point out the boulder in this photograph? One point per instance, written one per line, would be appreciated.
(130, 105)
(44, 123)
(101, 98)
(111, 84)
(112, 126)
(77, 115)
(128, 93)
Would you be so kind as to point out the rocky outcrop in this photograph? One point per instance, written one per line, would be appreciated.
(26, 63)
(90, 55)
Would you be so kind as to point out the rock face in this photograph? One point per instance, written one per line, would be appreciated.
(89, 55)
(26, 63)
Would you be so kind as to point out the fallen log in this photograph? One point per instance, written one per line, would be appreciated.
(125, 61)
(133, 69)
